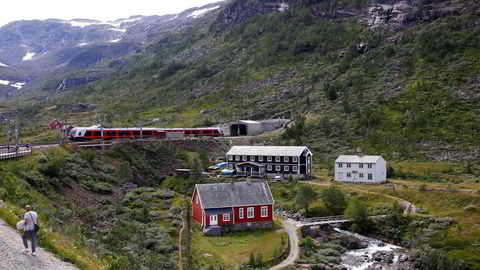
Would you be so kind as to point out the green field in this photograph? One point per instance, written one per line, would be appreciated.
(234, 248)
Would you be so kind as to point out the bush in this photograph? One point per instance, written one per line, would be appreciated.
(334, 200)
(357, 212)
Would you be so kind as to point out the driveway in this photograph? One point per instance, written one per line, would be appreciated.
(290, 227)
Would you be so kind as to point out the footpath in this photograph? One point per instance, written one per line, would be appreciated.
(12, 258)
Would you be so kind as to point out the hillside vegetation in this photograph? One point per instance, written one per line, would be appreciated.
(107, 211)
(407, 89)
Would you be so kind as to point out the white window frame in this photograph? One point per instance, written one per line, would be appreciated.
(349, 165)
(252, 212)
(244, 158)
(264, 208)
(294, 159)
(370, 165)
(360, 175)
(260, 158)
(340, 165)
(226, 219)
(278, 159)
(237, 158)
(269, 159)
(286, 168)
(252, 158)
(349, 175)
(196, 199)
(295, 169)
(278, 168)
(286, 159)
(360, 165)
(370, 176)
(269, 168)
(240, 213)
(230, 158)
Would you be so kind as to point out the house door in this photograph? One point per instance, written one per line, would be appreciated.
(213, 220)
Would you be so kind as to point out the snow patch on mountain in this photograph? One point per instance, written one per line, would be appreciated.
(82, 44)
(201, 12)
(28, 56)
(17, 85)
(283, 7)
(81, 24)
(118, 30)
(3, 65)
(115, 40)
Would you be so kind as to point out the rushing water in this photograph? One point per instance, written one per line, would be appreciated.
(361, 259)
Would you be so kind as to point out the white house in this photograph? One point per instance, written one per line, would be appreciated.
(360, 169)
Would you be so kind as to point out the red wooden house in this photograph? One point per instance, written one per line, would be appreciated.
(55, 124)
(233, 206)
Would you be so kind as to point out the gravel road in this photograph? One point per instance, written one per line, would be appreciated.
(12, 258)
(290, 227)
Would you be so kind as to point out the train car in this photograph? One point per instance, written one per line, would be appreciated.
(95, 133)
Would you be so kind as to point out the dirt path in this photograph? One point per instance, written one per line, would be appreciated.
(12, 258)
(290, 227)
(180, 241)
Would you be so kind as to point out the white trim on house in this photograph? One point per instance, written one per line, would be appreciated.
(240, 213)
(226, 219)
(252, 212)
(266, 211)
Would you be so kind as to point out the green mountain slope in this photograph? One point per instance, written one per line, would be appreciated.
(391, 77)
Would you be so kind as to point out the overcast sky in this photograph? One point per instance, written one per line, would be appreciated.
(13, 10)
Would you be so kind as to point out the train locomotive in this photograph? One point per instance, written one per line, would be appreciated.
(95, 133)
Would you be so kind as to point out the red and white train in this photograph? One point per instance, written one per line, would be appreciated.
(95, 133)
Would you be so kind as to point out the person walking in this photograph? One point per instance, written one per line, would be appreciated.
(29, 229)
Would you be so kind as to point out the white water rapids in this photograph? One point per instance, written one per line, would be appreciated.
(361, 259)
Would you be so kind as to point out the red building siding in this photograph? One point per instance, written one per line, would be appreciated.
(256, 215)
(196, 208)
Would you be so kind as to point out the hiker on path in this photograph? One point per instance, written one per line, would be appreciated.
(29, 229)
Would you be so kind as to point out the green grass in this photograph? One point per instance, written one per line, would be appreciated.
(234, 248)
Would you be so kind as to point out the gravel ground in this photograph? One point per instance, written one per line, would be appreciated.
(12, 258)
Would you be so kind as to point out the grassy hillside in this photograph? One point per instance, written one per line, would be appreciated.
(408, 91)
(107, 211)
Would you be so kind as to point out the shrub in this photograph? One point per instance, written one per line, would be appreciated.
(334, 200)
(357, 212)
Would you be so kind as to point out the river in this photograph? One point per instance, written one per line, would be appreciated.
(377, 255)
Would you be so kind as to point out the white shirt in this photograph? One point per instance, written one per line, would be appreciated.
(30, 220)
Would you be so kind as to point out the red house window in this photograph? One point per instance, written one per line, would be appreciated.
(226, 217)
(240, 213)
(250, 213)
(264, 211)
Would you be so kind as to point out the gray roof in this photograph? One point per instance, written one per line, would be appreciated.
(357, 159)
(221, 195)
(292, 151)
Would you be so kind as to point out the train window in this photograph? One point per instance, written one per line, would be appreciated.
(136, 133)
(98, 133)
(148, 133)
(88, 134)
(123, 133)
(111, 133)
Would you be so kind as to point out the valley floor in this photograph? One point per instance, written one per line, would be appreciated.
(12, 258)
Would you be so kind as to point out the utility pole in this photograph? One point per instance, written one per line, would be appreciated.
(17, 132)
(9, 134)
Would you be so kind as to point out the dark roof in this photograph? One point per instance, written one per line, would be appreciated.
(221, 195)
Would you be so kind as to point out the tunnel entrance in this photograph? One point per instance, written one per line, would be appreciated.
(238, 130)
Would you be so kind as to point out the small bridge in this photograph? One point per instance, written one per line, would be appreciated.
(322, 221)
(14, 151)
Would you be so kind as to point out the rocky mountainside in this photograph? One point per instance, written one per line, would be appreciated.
(79, 51)
(394, 77)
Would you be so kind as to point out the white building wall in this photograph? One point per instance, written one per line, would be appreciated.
(378, 172)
